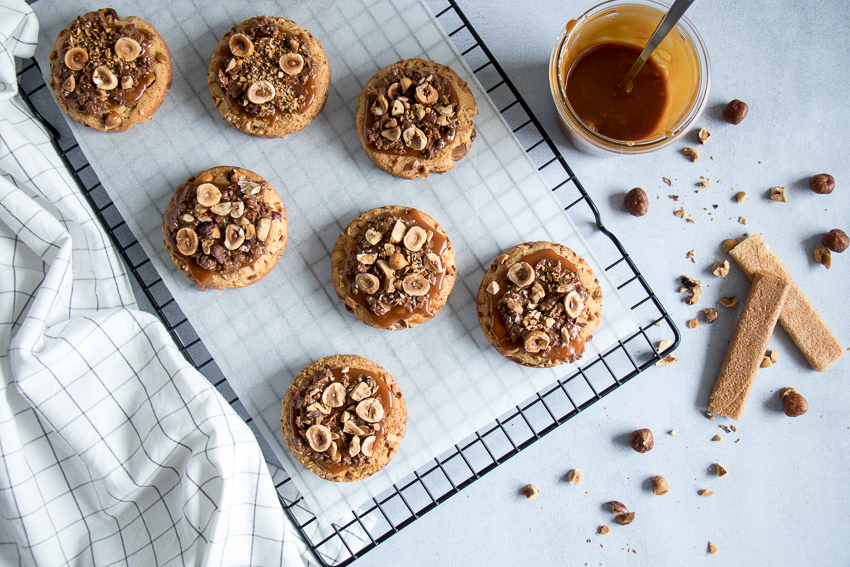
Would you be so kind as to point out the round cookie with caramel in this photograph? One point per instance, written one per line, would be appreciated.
(393, 267)
(415, 117)
(269, 77)
(343, 417)
(225, 228)
(109, 73)
(539, 303)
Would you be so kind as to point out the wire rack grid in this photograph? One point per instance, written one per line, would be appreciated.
(452, 471)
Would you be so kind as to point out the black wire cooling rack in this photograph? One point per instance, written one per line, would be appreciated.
(463, 464)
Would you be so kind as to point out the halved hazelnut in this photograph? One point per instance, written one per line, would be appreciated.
(263, 228)
(398, 261)
(127, 49)
(291, 63)
(240, 45)
(332, 450)
(319, 438)
(261, 92)
(393, 91)
(445, 110)
(426, 94)
(415, 285)
(536, 341)
(104, 79)
(405, 83)
(393, 134)
(381, 106)
(70, 84)
(419, 112)
(370, 410)
(250, 232)
(373, 236)
(360, 391)
(354, 447)
(127, 82)
(521, 273)
(399, 228)
(385, 268)
(352, 429)
(397, 108)
(415, 138)
(234, 236)
(221, 209)
(187, 241)
(432, 263)
(415, 238)
(573, 304)
(76, 58)
(334, 395)
(367, 259)
(367, 283)
(237, 209)
(368, 445)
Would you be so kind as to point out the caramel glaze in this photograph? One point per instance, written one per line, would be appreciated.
(386, 397)
(564, 353)
(308, 90)
(437, 245)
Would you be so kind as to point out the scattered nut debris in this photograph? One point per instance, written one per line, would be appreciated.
(674, 197)
(530, 492)
(823, 256)
(729, 244)
(712, 549)
(617, 507)
(693, 323)
(625, 519)
(721, 269)
(642, 440)
(663, 345)
(717, 438)
(733, 428)
(706, 183)
(636, 202)
(705, 492)
(692, 299)
(778, 194)
(690, 220)
(765, 362)
(836, 240)
(724, 428)
(728, 302)
(795, 405)
(692, 255)
(774, 357)
(822, 183)
(667, 360)
(710, 314)
(735, 112)
(672, 432)
(718, 468)
(691, 153)
(703, 135)
(574, 476)
(667, 181)
(680, 213)
(742, 220)
(709, 415)
(740, 195)
(660, 486)
(603, 530)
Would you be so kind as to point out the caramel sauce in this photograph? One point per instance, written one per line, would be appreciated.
(397, 313)
(570, 351)
(386, 399)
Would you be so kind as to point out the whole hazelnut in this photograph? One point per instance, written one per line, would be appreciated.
(641, 440)
(836, 240)
(637, 203)
(617, 507)
(822, 183)
(735, 111)
(660, 485)
(795, 405)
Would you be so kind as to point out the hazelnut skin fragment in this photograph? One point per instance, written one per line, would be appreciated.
(530, 492)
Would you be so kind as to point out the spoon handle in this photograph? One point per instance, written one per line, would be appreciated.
(670, 19)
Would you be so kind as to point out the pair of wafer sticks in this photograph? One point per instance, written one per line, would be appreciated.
(773, 297)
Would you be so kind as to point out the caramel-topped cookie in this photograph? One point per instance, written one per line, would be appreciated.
(109, 72)
(415, 117)
(343, 418)
(538, 304)
(393, 267)
(269, 77)
(225, 228)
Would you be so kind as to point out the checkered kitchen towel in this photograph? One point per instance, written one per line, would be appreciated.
(113, 450)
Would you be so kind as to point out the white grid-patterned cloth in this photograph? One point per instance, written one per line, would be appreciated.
(113, 450)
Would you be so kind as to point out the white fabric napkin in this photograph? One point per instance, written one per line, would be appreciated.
(114, 450)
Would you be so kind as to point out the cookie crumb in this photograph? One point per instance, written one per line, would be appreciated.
(712, 549)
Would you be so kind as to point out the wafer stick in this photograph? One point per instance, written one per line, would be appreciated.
(799, 318)
(765, 302)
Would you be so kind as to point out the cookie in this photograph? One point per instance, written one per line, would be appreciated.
(225, 228)
(393, 267)
(415, 117)
(343, 418)
(539, 303)
(269, 77)
(109, 73)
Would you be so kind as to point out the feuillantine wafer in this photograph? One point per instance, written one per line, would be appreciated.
(799, 318)
(765, 302)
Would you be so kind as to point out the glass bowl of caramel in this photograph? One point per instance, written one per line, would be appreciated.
(594, 53)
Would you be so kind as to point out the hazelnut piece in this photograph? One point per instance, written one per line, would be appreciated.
(234, 236)
(350, 428)
(521, 274)
(370, 410)
(393, 91)
(625, 519)
(728, 302)
(187, 241)
(127, 82)
(617, 507)
(127, 49)
(415, 138)
(354, 446)
(319, 438)
(263, 228)
(70, 84)
(712, 549)
(636, 201)
(729, 244)
(641, 440)
(426, 94)
(823, 256)
(260, 92)
(397, 108)
(221, 209)
(703, 135)
(392, 134)
(76, 58)
(735, 111)
(493, 288)
(398, 261)
(574, 476)
(360, 392)
(778, 194)
(368, 446)
(237, 209)
(536, 341)
(334, 395)
(415, 285)
(373, 236)
(399, 228)
(720, 269)
(415, 238)
(604, 530)
(367, 283)
(432, 263)
(822, 183)
(530, 492)
(660, 486)
(836, 240)
(573, 304)
(381, 106)
(112, 120)
(104, 79)
(291, 63)
(691, 153)
(794, 404)
(240, 45)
